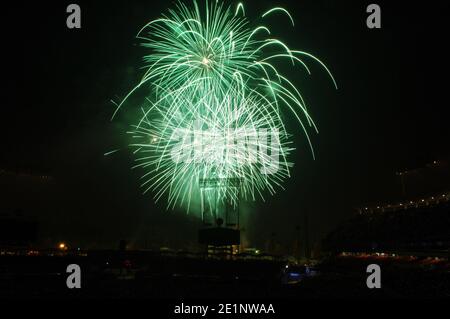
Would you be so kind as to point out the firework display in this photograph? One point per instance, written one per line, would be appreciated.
(212, 126)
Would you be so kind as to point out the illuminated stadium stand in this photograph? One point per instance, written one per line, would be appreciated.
(418, 227)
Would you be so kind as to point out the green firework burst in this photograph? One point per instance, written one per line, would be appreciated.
(215, 113)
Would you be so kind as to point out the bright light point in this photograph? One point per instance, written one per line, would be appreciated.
(206, 61)
(62, 246)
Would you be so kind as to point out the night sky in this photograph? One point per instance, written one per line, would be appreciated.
(390, 113)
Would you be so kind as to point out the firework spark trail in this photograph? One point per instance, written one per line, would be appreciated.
(211, 67)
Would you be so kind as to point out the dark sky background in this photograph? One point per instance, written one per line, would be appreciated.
(390, 113)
